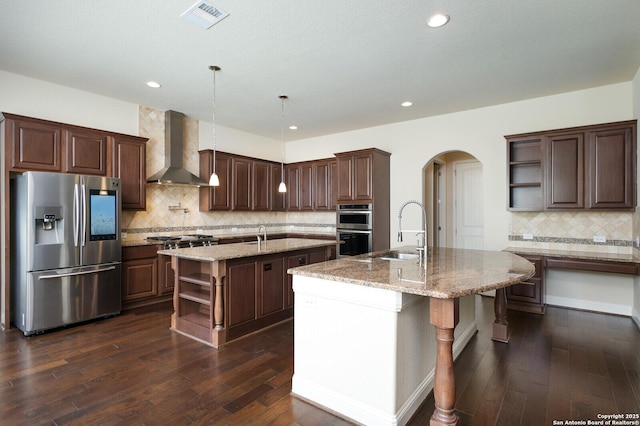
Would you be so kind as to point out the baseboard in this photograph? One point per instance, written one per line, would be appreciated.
(354, 410)
(636, 318)
(589, 305)
(416, 399)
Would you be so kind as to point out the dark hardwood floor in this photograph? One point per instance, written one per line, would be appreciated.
(132, 370)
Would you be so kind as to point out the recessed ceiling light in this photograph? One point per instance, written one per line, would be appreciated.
(293, 127)
(437, 20)
(153, 84)
(406, 104)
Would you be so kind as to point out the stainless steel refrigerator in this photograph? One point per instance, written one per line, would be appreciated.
(65, 249)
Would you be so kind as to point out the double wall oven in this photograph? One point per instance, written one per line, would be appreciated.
(354, 227)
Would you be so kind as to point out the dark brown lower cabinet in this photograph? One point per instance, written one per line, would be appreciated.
(139, 272)
(255, 292)
(292, 262)
(529, 295)
(241, 292)
(271, 292)
(147, 277)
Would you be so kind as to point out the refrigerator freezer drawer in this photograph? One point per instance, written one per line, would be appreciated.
(60, 297)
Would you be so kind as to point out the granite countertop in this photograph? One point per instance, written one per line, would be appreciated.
(450, 273)
(248, 249)
(571, 254)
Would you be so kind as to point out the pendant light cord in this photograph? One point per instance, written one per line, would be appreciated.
(282, 136)
(214, 69)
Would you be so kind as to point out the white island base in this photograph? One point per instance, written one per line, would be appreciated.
(365, 353)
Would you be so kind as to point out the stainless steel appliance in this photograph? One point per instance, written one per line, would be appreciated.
(65, 249)
(182, 241)
(354, 227)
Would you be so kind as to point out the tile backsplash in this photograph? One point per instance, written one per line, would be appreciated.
(174, 209)
(573, 230)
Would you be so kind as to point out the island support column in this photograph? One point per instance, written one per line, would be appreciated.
(444, 315)
(500, 325)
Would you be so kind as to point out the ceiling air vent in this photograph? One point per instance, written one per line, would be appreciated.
(204, 14)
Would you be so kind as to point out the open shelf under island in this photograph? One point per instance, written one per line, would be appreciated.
(227, 291)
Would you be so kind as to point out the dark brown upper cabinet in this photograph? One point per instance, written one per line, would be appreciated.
(86, 152)
(322, 185)
(612, 168)
(215, 197)
(41, 145)
(34, 144)
(261, 186)
(292, 172)
(241, 183)
(524, 168)
(130, 159)
(579, 168)
(564, 177)
(360, 173)
(278, 199)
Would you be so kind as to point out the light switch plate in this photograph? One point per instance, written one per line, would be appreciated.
(599, 239)
(527, 236)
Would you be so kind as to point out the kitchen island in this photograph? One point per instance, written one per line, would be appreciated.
(227, 291)
(362, 345)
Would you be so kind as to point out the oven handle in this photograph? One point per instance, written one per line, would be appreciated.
(353, 231)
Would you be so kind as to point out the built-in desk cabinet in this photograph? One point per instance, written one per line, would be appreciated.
(529, 295)
(580, 168)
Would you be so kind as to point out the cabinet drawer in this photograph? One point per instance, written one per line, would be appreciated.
(140, 252)
(527, 291)
(594, 265)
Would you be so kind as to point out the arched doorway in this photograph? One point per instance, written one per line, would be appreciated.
(453, 197)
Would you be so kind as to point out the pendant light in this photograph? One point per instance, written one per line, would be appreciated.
(214, 180)
(282, 187)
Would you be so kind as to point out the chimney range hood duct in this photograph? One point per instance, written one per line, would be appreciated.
(173, 173)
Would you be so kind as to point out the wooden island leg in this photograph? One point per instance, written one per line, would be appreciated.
(500, 325)
(444, 315)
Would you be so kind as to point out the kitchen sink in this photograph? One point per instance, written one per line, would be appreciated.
(396, 255)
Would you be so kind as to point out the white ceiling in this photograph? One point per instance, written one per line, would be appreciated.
(344, 64)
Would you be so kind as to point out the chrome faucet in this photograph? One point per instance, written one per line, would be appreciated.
(264, 235)
(423, 249)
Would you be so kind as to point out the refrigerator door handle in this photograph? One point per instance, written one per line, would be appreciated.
(76, 215)
(71, 274)
(83, 220)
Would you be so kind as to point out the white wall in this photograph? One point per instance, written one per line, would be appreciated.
(40, 99)
(636, 227)
(238, 142)
(36, 98)
(479, 132)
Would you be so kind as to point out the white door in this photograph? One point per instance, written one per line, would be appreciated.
(440, 207)
(468, 215)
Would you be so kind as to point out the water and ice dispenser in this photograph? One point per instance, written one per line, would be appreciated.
(49, 225)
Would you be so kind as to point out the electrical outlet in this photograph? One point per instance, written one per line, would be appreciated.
(599, 239)
(234, 229)
(527, 236)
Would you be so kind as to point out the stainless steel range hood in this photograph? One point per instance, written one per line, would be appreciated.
(173, 173)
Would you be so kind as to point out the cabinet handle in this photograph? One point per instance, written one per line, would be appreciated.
(266, 267)
(301, 261)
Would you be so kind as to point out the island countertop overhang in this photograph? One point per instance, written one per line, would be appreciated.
(247, 249)
(450, 273)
